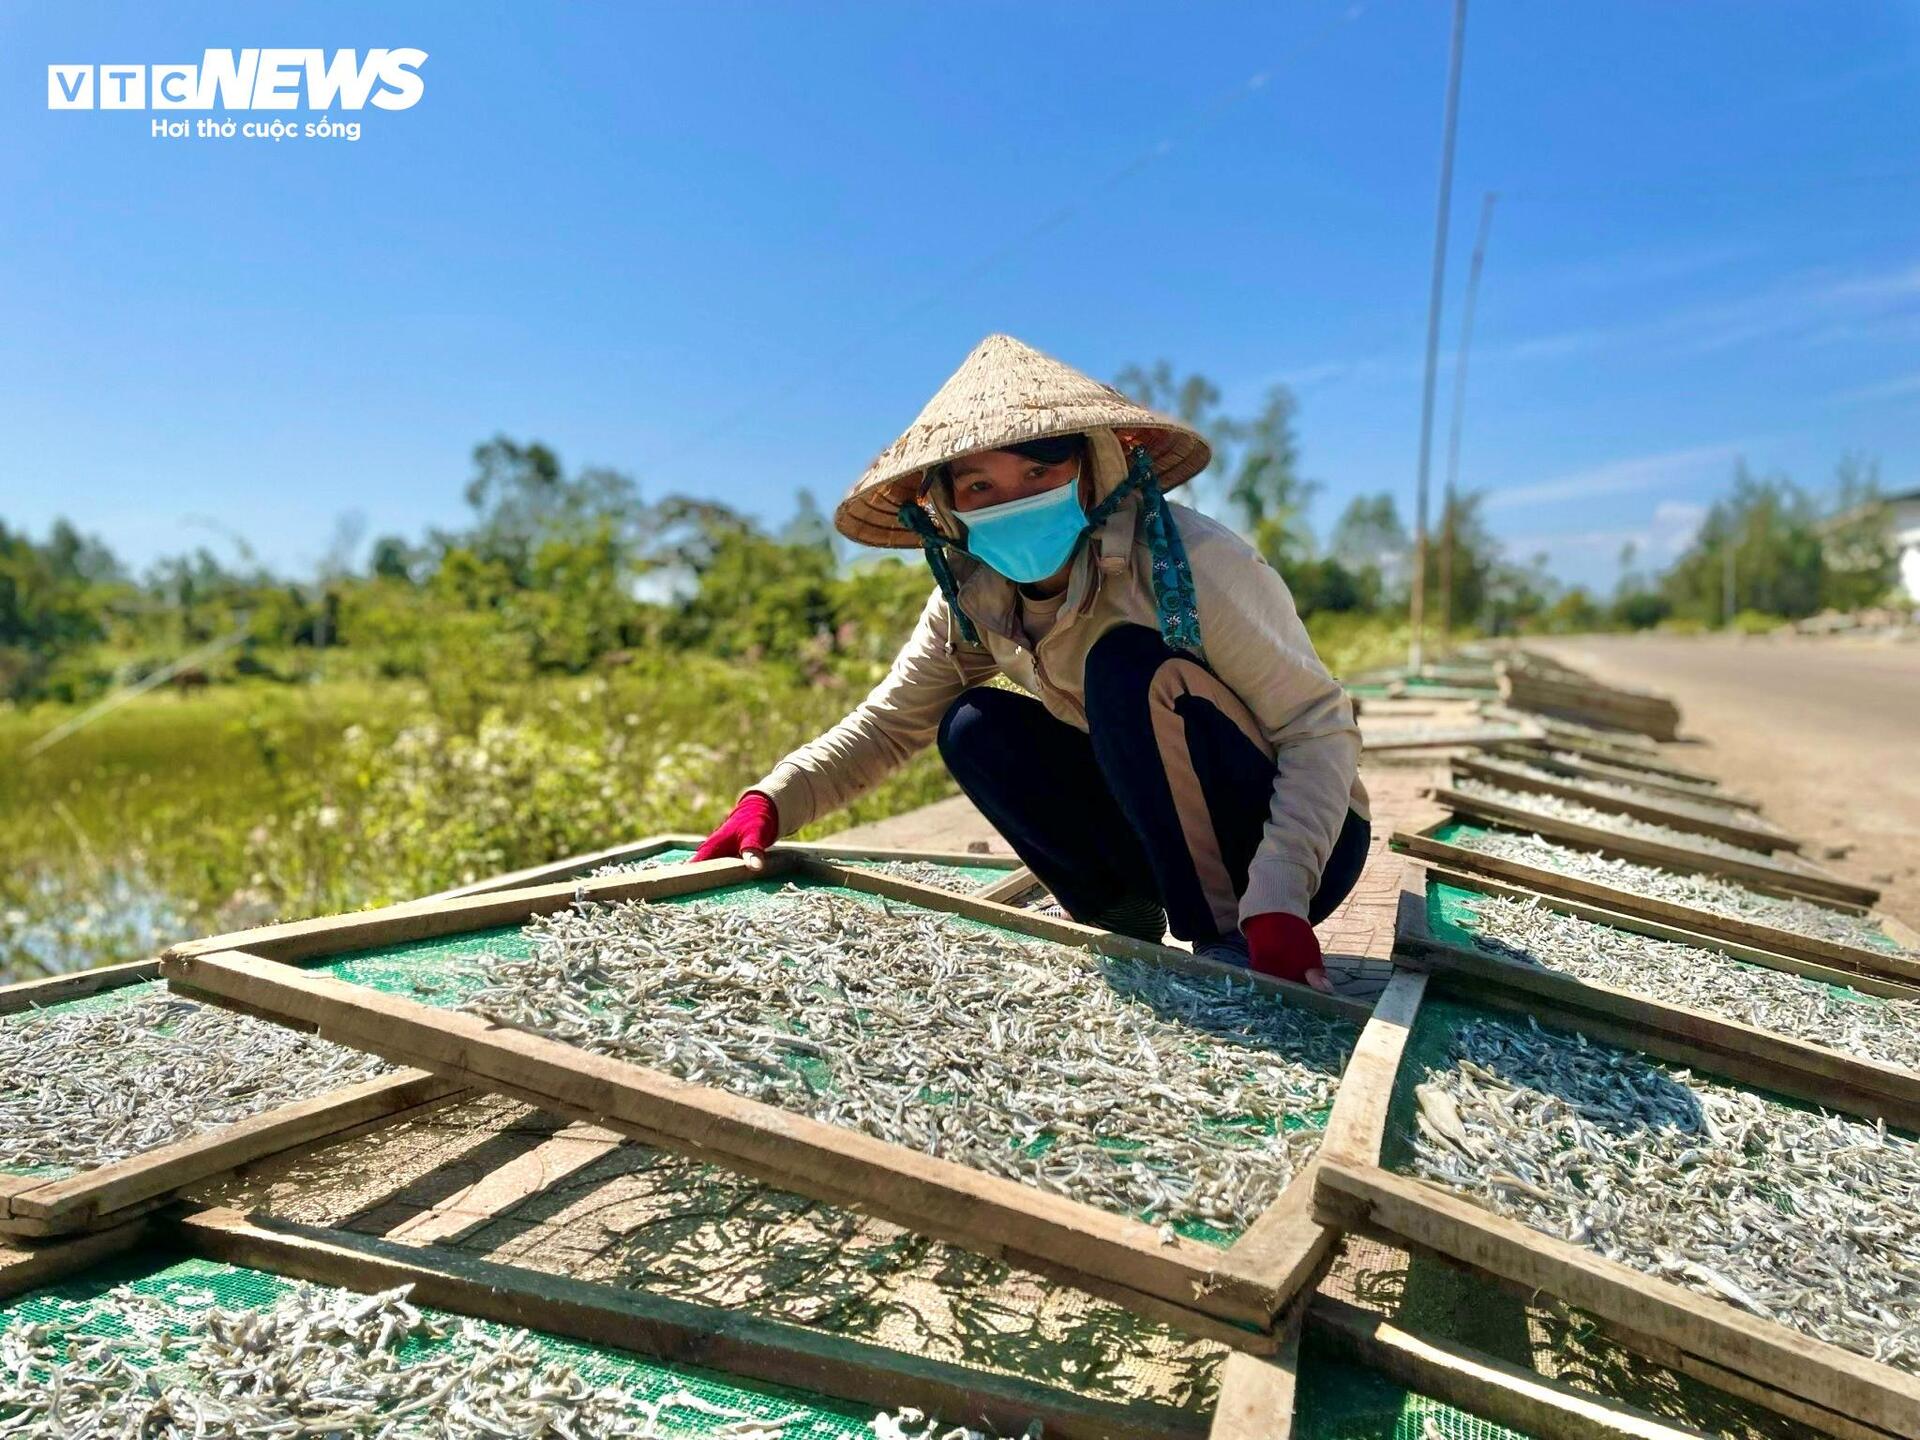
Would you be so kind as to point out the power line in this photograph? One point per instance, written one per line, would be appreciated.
(1435, 295)
(1447, 525)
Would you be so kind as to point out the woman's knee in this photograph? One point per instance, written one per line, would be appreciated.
(1121, 666)
(976, 725)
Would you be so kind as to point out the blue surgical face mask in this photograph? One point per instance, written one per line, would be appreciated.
(1029, 538)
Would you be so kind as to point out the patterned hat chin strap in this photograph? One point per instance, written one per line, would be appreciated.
(1174, 604)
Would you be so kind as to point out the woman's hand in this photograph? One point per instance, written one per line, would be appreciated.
(747, 832)
(1284, 946)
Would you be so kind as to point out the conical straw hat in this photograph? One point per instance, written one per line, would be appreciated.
(1006, 393)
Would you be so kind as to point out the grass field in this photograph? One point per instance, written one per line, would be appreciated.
(176, 816)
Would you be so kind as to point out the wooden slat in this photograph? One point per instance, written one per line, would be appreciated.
(1586, 769)
(1009, 890)
(1428, 1216)
(573, 866)
(1480, 1384)
(98, 1196)
(732, 1342)
(430, 919)
(1673, 856)
(1852, 958)
(1658, 930)
(937, 1197)
(56, 989)
(1257, 1393)
(1358, 1124)
(1696, 1039)
(28, 1267)
(1385, 742)
(1735, 827)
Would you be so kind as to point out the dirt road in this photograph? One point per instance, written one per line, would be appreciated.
(1825, 732)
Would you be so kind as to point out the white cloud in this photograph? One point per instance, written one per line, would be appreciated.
(1885, 390)
(1813, 308)
(1641, 472)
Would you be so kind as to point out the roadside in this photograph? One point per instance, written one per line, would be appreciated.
(1824, 732)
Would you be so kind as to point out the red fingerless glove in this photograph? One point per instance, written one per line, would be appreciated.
(1281, 945)
(751, 828)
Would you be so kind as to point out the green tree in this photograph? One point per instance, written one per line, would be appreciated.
(1371, 542)
(1265, 486)
(1768, 529)
(1861, 560)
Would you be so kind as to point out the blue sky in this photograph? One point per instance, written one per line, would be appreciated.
(731, 248)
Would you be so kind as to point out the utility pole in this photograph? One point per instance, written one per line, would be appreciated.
(1434, 296)
(1726, 582)
(1459, 414)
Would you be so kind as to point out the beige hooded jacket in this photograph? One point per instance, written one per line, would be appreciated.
(1254, 642)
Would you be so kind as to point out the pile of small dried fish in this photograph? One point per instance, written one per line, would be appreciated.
(1698, 809)
(323, 1362)
(89, 1086)
(1702, 892)
(925, 872)
(920, 872)
(1701, 790)
(1806, 1218)
(1552, 806)
(1116, 1083)
(1882, 1029)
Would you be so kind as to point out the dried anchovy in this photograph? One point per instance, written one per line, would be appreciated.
(1807, 1218)
(323, 1362)
(1883, 1029)
(1708, 791)
(1572, 810)
(87, 1087)
(1702, 892)
(1113, 1082)
(1698, 808)
(920, 872)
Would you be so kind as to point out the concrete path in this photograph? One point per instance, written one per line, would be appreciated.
(1825, 732)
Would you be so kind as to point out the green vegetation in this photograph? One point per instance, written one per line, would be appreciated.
(574, 667)
(577, 665)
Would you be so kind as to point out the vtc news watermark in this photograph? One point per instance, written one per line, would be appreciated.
(248, 80)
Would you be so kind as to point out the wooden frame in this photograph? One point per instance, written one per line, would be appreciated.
(1644, 762)
(1708, 1338)
(1852, 960)
(676, 1331)
(1700, 793)
(1478, 736)
(1735, 827)
(105, 1195)
(1654, 929)
(573, 866)
(1502, 1392)
(1797, 879)
(1697, 1038)
(1198, 1285)
(1532, 688)
(28, 1267)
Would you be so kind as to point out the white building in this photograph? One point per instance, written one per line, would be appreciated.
(1906, 535)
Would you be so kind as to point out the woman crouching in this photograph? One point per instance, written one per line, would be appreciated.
(1180, 759)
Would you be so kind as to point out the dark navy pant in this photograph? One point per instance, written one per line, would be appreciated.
(1165, 800)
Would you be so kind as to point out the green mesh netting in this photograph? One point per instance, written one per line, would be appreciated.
(1458, 832)
(1451, 920)
(84, 1307)
(1336, 1399)
(976, 876)
(445, 971)
(1440, 1299)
